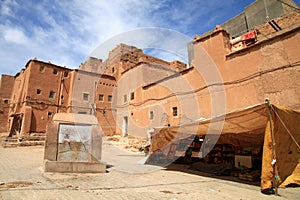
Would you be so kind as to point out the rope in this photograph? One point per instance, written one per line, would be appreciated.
(293, 138)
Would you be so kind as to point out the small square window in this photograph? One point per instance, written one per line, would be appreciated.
(175, 111)
(85, 96)
(132, 96)
(55, 71)
(109, 98)
(38, 91)
(125, 98)
(66, 74)
(42, 67)
(101, 97)
(50, 114)
(5, 101)
(151, 115)
(51, 95)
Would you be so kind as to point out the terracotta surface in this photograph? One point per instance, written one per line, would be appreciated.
(219, 80)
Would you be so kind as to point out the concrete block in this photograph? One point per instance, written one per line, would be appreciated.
(74, 167)
(54, 166)
(73, 146)
(51, 141)
(83, 167)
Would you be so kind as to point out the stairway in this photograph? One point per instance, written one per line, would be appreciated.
(33, 139)
(10, 142)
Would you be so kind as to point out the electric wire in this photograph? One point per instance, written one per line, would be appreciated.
(247, 78)
(244, 79)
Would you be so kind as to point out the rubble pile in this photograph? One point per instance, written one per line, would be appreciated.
(129, 143)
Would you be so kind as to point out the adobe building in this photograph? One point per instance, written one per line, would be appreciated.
(262, 62)
(6, 86)
(124, 57)
(259, 62)
(105, 112)
(93, 65)
(40, 90)
(43, 89)
(92, 93)
(114, 89)
(132, 70)
(132, 92)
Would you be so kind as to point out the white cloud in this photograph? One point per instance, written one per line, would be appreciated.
(66, 32)
(14, 35)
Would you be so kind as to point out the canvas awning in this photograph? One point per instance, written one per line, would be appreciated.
(250, 125)
(250, 122)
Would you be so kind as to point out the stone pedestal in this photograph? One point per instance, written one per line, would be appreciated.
(73, 144)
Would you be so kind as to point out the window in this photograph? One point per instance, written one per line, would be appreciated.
(80, 112)
(125, 98)
(85, 96)
(109, 98)
(50, 114)
(101, 97)
(54, 71)
(175, 111)
(52, 95)
(5, 101)
(38, 91)
(132, 96)
(42, 67)
(151, 115)
(66, 74)
(113, 70)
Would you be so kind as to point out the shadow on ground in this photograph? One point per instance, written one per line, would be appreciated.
(185, 168)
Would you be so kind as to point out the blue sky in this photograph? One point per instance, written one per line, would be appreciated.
(66, 32)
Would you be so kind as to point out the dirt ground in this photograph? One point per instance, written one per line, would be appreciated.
(22, 177)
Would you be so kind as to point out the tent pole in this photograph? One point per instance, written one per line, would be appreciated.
(274, 162)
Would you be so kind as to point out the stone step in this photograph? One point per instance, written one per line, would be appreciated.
(15, 143)
(38, 134)
(9, 145)
(32, 143)
(34, 138)
(11, 140)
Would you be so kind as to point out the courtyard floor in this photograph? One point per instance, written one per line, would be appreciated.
(22, 177)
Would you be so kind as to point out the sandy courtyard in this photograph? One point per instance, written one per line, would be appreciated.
(22, 177)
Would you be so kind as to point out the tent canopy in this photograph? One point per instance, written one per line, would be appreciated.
(249, 123)
(249, 126)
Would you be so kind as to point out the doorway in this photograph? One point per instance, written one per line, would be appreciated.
(125, 126)
(16, 125)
